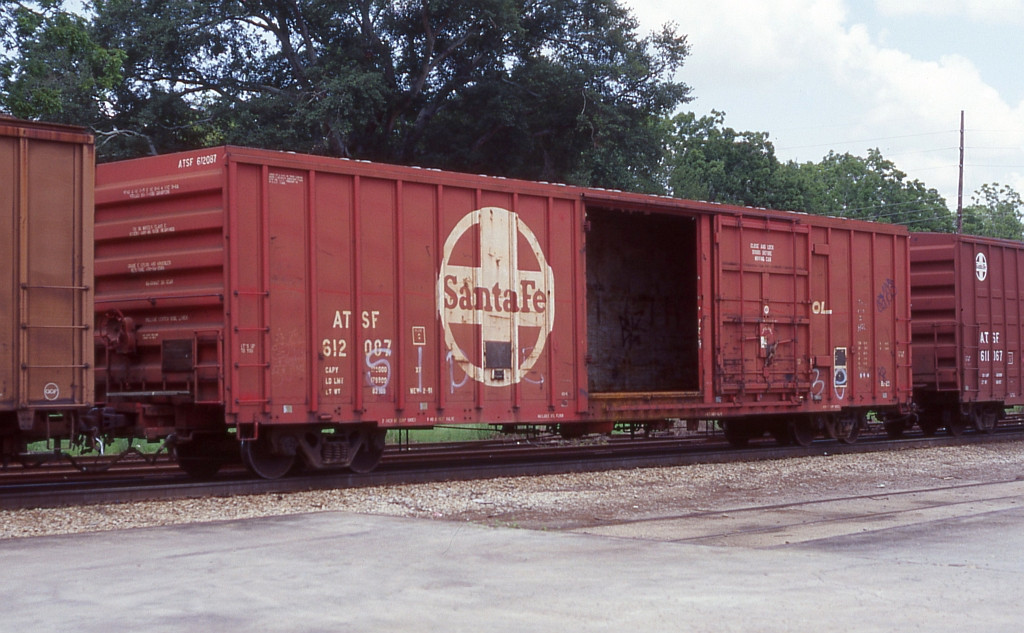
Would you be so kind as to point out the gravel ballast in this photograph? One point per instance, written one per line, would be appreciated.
(570, 500)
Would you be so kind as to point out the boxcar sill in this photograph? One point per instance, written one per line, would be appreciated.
(146, 394)
(644, 395)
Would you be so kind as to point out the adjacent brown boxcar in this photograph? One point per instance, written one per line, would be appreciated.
(46, 205)
(967, 300)
(308, 304)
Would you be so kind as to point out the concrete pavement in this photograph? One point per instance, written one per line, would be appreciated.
(346, 572)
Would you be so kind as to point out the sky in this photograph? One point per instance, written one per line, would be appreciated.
(851, 75)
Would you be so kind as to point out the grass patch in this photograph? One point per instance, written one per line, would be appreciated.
(464, 433)
(115, 447)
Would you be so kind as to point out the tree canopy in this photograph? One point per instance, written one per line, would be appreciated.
(557, 90)
(546, 89)
(995, 211)
(873, 188)
(57, 73)
(707, 160)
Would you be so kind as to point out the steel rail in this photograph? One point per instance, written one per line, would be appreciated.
(451, 465)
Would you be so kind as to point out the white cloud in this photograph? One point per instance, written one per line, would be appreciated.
(804, 72)
(991, 11)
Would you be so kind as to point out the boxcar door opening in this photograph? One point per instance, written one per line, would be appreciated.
(642, 321)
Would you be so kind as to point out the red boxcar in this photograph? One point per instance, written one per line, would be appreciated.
(46, 205)
(309, 304)
(967, 301)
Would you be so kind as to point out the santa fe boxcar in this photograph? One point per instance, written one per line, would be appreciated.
(46, 311)
(967, 303)
(305, 305)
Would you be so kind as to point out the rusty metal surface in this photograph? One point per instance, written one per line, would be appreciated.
(813, 312)
(287, 289)
(967, 305)
(747, 311)
(339, 291)
(46, 207)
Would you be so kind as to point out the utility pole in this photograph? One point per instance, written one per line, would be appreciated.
(960, 185)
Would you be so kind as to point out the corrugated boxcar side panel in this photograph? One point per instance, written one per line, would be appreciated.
(160, 263)
(967, 324)
(507, 301)
(272, 281)
(878, 352)
(333, 301)
(936, 329)
(10, 214)
(402, 296)
(47, 206)
(866, 311)
(762, 307)
(811, 313)
(990, 305)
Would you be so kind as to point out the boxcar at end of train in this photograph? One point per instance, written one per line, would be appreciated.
(967, 330)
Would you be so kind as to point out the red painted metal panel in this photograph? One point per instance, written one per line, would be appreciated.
(836, 333)
(761, 302)
(967, 306)
(160, 287)
(347, 292)
(46, 207)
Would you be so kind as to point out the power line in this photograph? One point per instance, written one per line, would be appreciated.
(866, 140)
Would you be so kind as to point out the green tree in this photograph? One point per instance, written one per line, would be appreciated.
(874, 189)
(53, 69)
(706, 160)
(995, 211)
(557, 90)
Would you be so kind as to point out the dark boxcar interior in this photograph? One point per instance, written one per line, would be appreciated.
(641, 302)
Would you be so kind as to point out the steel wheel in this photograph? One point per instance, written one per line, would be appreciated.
(370, 451)
(803, 431)
(845, 428)
(984, 419)
(257, 458)
(956, 426)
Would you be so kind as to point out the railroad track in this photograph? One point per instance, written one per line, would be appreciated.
(437, 462)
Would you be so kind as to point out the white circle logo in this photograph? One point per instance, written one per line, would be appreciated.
(486, 302)
(51, 391)
(980, 266)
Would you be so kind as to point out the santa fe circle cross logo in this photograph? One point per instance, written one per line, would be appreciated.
(497, 296)
(980, 266)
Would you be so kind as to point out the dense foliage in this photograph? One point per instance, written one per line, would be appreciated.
(54, 70)
(547, 89)
(995, 211)
(707, 160)
(873, 188)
